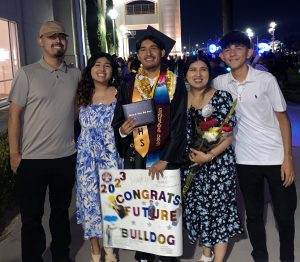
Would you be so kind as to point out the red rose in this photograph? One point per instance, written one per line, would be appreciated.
(205, 125)
(227, 128)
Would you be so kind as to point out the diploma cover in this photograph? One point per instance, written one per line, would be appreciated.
(143, 111)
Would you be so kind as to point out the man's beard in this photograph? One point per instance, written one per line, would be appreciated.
(60, 54)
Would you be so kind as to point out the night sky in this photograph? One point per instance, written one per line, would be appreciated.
(201, 20)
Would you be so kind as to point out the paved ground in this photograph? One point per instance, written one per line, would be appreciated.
(80, 251)
(239, 248)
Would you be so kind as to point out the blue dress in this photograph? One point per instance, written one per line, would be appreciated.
(96, 150)
(210, 207)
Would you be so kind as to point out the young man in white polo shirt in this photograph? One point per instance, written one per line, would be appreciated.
(262, 145)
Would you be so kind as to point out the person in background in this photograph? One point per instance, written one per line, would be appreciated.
(260, 62)
(210, 206)
(41, 144)
(96, 150)
(134, 66)
(123, 71)
(263, 146)
(217, 67)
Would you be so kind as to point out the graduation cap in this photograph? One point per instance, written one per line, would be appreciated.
(168, 43)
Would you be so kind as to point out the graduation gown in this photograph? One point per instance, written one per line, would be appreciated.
(174, 146)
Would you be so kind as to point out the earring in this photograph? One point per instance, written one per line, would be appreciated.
(113, 80)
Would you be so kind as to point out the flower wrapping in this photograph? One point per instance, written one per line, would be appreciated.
(207, 135)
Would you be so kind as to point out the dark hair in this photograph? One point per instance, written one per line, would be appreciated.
(86, 85)
(233, 38)
(135, 64)
(152, 38)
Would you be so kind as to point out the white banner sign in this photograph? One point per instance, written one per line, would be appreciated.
(140, 213)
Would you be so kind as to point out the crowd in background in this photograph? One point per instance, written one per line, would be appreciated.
(277, 63)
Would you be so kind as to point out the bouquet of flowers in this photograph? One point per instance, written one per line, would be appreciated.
(208, 133)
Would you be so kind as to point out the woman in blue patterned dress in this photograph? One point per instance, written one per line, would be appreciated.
(210, 207)
(96, 99)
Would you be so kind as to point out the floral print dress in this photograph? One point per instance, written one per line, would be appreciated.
(96, 150)
(210, 207)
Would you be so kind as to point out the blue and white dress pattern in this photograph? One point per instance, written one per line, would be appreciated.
(96, 150)
(210, 207)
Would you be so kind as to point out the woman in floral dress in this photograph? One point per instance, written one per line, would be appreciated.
(210, 207)
(96, 99)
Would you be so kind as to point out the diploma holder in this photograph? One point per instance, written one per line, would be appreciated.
(143, 112)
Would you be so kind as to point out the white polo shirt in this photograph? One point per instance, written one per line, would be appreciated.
(258, 138)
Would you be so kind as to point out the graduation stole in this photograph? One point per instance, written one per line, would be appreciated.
(162, 93)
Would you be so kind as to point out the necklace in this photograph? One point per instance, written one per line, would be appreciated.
(240, 90)
(105, 96)
(146, 90)
(142, 83)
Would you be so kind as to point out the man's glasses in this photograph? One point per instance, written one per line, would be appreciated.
(59, 36)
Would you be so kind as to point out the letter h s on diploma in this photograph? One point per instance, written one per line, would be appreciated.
(142, 142)
(140, 130)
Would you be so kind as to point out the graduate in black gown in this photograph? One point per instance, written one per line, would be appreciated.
(157, 146)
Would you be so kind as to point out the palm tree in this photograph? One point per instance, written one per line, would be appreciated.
(227, 16)
(102, 26)
(109, 29)
(95, 26)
